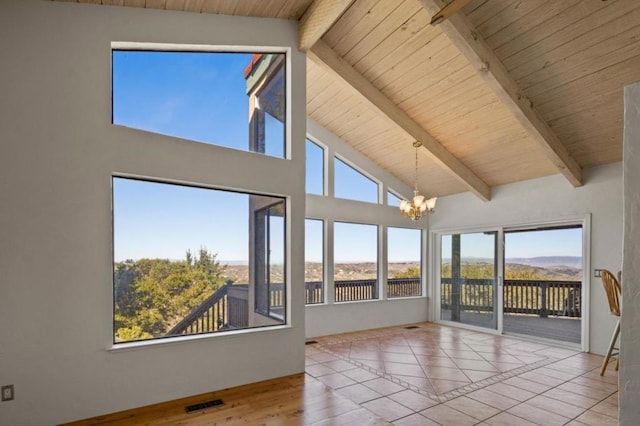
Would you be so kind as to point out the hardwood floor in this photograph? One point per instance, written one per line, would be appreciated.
(429, 375)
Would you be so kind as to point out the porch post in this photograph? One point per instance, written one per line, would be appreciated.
(455, 277)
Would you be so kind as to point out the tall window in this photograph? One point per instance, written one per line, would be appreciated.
(355, 261)
(182, 260)
(404, 250)
(314, 260)
(314, 169)
(392, 199)
(353, 185)
(207, 97)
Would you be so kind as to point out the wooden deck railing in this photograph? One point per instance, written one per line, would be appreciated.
(534, 297)
(542, 298)
(353, 290)
(314, 292)
(228, 307)
(404, 287)
(210, 315)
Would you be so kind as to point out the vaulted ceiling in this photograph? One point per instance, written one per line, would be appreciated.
(497, 91)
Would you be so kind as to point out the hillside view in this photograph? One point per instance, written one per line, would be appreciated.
(153, 295)
(536, 268)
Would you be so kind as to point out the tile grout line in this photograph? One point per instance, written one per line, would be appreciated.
(466, 389)
(446, 396)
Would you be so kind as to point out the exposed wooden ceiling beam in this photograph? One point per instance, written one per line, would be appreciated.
(319, 17)
(333, 63)
(448, 10)
(473, 46)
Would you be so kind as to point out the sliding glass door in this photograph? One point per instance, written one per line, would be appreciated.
(469, 279)
(543, 282)
(518, 280)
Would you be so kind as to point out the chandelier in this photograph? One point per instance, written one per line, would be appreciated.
(417, 208)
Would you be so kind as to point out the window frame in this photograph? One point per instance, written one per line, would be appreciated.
(129, 46)
(216, 181)
(266, 211)
(323, 281)
(325, 169)
(376, 182)
(376, 291)
(177, 337)
(421, 265)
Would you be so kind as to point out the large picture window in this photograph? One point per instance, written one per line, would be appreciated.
(235, 100)
(188, 260)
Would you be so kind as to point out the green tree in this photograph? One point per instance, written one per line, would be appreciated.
(153, 295)
(411, 272)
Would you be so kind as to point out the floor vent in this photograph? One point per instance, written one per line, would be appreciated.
(203, 405)
(310, 342)
(411, 327)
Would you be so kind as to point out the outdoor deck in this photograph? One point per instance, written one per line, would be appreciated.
(555, 328)
(547, 309)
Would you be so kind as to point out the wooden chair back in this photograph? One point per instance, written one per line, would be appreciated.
(613, 290)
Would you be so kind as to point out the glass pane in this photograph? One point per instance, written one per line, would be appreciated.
(392, 199)
(404, 250)
(543, 283)
(274, 136)
(266, 90)
(207, 97)
(355, 261)
(315, 169)
(468, 279)
(182, 258)
(314, 260)
(353, 185)
(269, 256)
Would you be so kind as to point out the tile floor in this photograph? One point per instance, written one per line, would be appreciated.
(438, 375)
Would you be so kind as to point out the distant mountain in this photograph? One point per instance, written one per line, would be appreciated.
(523, 271)
(544, 267)
(547, 261)
(541, 261)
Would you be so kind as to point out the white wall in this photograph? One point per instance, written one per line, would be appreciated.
(58, 151)
(330, 318)
(629, 376)
(548, 199)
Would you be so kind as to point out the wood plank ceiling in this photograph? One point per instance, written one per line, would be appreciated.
(499, 91)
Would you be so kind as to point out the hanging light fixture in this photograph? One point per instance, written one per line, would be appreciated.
(417, 208)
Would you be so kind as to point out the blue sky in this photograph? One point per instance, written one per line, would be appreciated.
(202, 97)
(163, 221)
(558, 242)
(195, 96)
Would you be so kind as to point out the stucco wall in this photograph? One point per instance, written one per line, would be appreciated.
(58, 151)
(629, 376)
